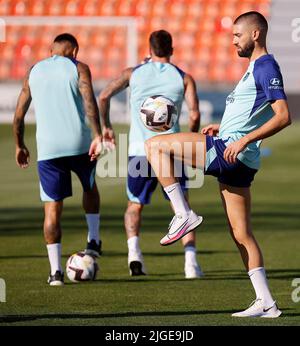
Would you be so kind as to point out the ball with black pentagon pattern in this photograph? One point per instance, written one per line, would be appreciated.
(158, 113)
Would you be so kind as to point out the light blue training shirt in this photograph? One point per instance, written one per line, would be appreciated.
(248, 107)
(150, 79)
(60, 118)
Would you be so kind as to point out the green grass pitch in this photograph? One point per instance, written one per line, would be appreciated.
(163, 297)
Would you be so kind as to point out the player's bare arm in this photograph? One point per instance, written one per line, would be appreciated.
(23, 103)
(192, 101)
(90, 107)
(279, 121)
(113, 88)
(90, 104)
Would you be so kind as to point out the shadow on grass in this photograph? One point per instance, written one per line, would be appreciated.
(274, 274)
(214, 275)
(221, 275)
(17, 220)
(120, 254)
(22, 318)
(19, 318)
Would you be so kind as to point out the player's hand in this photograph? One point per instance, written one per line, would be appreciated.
(109, 139)
(233, 149)
(96, 148)
(211, 130)
(22, 157)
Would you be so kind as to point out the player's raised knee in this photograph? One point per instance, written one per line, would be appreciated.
(157, 144)
(151, 145)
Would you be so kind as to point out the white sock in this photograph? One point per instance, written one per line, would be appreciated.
(93, 222)
(54, 254)
(260, 284)
(177, 198)
(133, 244)
(190, 255)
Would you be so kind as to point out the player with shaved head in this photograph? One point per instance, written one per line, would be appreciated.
(250, 30)
(256, 109)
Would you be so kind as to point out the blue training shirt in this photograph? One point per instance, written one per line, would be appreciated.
(248, 106)
(149, 79)
(60, 118)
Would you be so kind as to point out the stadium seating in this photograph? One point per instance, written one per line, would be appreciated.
(200, 28)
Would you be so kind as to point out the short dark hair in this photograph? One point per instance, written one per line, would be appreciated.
(66, 38)
(161, 43)
(255, 17)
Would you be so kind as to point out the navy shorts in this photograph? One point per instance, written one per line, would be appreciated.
(236, 174)
(55, 176)
(142, 182)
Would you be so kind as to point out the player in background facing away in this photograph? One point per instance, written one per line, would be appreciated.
(155, 77)
(61, 90)
(256, 109)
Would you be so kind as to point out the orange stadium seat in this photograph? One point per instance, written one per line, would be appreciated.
(156, 23)
(90, 8)
(160, 9)
(56, 8)
(72, 8)
(108, 8)
(177, 9)
(20, 8)
(228, 8)
(5, 70)
(144, 8)
(38, 8)
(195, 9)
(5, 8)
(190, 25)
(126, 8)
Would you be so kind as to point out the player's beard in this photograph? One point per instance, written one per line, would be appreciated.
(247, 51)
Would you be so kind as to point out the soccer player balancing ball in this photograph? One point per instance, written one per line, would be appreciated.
(158, 113)
(81, 267)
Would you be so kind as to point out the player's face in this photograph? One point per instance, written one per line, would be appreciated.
(243, 41)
